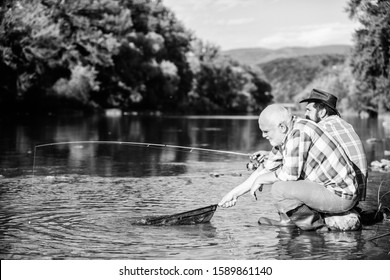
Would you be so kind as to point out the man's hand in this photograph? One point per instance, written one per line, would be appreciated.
(256, 160)
(259, 156)
(228, 200)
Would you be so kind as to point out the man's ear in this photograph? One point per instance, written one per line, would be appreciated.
(283, 127)
(322, 113)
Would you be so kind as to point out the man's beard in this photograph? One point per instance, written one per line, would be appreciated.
(316, 118)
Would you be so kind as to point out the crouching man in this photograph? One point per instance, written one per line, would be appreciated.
(310, 172)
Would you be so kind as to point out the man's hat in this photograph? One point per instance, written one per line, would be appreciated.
(320, 96)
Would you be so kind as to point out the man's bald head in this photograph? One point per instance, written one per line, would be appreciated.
(275, 114)
(274, 122)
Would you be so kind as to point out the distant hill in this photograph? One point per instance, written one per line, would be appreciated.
(293, 77)
(254, 56)
(294, 71)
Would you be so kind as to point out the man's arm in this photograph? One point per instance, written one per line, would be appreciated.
(230, 199)
(257, 178)
(265, 178)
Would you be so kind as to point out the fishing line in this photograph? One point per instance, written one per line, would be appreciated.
(139, 144)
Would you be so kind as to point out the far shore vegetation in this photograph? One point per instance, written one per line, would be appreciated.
(136, 56)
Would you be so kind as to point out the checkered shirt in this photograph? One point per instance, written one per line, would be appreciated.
(308, 153)
(347, 138)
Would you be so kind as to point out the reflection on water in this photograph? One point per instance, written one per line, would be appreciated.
(18, 140)
(224, 133)
(82, 199)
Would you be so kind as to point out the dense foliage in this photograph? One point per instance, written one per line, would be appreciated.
(371, 55)
(129, 54)
(222, 82)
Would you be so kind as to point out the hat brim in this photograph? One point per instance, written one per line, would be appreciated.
(309, 100)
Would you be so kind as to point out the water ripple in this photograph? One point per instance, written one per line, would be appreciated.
(86, 217)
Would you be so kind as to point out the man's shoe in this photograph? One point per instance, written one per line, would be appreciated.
(306, 218)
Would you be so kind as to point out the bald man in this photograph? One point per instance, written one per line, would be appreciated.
(309, 171)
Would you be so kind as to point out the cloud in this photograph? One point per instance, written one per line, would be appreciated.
(236, 21)
(314, 35)
(214, 5)
(229, 4)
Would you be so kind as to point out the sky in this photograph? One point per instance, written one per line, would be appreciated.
(272, 24)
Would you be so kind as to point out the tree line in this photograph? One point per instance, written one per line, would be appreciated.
(136, 55)
(128, 54)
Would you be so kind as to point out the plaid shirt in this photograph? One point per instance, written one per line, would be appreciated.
(347, 138)
(308, 153)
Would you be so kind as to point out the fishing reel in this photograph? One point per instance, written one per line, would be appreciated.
(254, 162)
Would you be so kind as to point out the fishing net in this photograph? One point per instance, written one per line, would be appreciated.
(197, 216)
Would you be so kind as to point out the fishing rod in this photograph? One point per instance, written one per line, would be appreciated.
(137, 144)
(142, 144)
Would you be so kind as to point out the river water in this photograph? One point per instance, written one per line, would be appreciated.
(80, 200)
